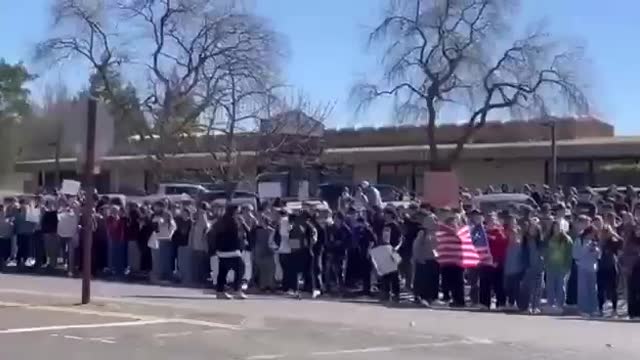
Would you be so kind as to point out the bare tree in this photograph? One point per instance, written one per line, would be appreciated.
(56, 98)
(181, 51)
(441, 56)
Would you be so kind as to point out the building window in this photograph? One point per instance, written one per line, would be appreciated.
(405, 176)
(572, 172)
(620, 172)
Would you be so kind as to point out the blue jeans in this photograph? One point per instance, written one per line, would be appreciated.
(556, 282)
(531, 291)
(587, 291)
(118, 257)
(163, 260)
(185, 269)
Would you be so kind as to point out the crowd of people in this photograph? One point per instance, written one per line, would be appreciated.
(574, 254)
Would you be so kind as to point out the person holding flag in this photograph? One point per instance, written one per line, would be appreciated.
(455, 254)
(498, 244)
(478, 277)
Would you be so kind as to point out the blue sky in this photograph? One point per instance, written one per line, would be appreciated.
(326, 40)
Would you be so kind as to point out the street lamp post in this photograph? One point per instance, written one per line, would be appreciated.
(553, 176)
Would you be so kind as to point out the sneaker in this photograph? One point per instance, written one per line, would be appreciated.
(241, 295)
(223, 296)
(535, 311)
(315, 294)
(291, 293)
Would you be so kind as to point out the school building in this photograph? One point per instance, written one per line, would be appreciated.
(513, 152)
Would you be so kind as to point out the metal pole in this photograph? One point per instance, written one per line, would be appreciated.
(87, 211)
(554, 157)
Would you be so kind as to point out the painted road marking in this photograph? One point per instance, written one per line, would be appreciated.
(137, 317)
(83, 326)
(175, 334)
(380, 349)
(106, 340)
(266, 357)
(77, 310)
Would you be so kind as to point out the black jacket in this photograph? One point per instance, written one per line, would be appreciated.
(49, 224)
(229, 236)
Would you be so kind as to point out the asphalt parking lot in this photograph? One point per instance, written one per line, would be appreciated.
(150, 322)
(51, 332)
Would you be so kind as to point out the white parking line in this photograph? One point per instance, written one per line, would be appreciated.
(175, 334)
(352, 351)
(379, 349)
(266, 357)
(139, 319)
(107, 340)
(83, 326)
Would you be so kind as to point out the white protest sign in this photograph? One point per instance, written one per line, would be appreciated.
(269, 190)
(384, 260)
(70, 187)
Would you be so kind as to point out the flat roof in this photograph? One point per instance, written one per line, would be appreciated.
(620, 146)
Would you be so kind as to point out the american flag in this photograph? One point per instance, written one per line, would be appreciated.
(481, 242)
(456, 248)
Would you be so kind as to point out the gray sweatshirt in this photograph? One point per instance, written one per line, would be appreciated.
(424, 247)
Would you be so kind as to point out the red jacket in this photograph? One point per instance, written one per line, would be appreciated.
(498, 244)
(115, 228)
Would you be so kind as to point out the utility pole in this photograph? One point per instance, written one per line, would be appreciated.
(87, 211)
(553, 171)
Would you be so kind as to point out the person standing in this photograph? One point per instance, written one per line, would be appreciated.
(49, 230)
(581, 223)
(631, 271)
(162, 253)
(131, 235)
(412, 225)
(514, 264)
(391, 236)
(229, 243)
(532, 252)
(608, 269)
(180, 241)
(6, 233)
(587, 253)
(427, 272)
(198, 243)
(68, 222)
(372, 194)
(340, 238)
(25, 230)
(498, 244)
(558, 258)
(302, 237)
(116, 241)
(264, 248)
(453, 257)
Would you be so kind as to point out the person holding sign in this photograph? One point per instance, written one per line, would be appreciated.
(391, 239)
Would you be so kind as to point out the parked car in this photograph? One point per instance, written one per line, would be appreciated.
(238, 198)
(502, 201)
